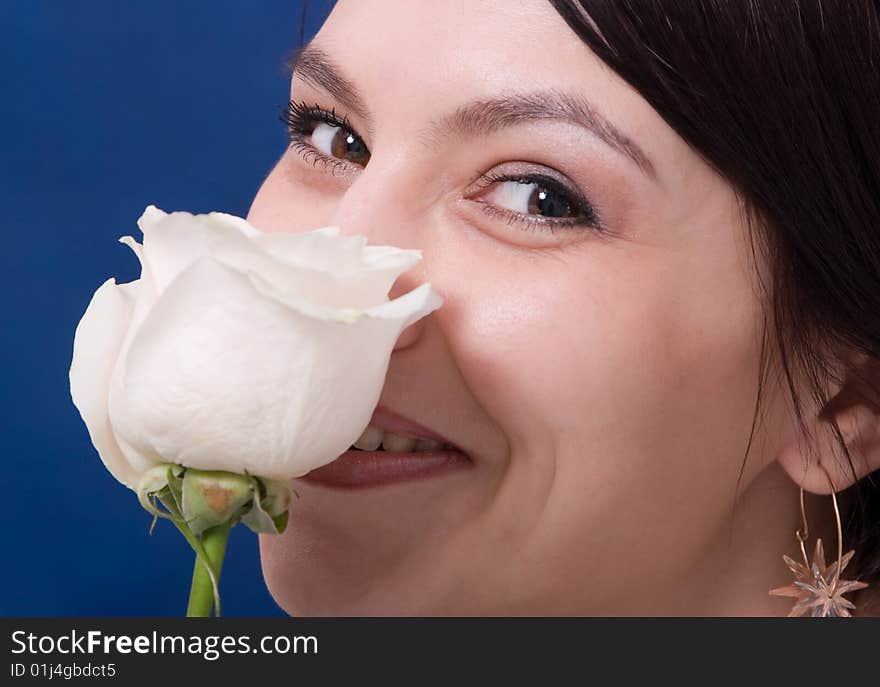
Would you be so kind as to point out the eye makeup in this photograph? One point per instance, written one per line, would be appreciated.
(551, 194)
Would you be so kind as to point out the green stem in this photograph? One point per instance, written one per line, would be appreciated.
(201, 595)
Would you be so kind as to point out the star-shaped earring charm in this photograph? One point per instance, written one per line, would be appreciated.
(818, 589)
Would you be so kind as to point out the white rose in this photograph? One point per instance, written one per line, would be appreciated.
(238, 350)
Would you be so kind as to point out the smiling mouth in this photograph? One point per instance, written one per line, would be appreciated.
(382, 456)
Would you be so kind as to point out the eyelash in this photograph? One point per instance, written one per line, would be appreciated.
(587, 216)
(298, 116)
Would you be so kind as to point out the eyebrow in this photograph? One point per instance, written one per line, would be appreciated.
(478, 117)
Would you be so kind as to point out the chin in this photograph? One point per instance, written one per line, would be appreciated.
(306, 584)
(409, 549)
(323, 576)
(307, 578)
(301, 589)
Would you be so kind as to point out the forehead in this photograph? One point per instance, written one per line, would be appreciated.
(414, 60)
(487, 44)
(442, 47)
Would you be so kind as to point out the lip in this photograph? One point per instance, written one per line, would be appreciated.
(386, 419)
(359, 469)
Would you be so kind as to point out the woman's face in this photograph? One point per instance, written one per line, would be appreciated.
(597, 351)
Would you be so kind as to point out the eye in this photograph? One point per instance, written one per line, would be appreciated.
(322, 138)
(537, 201)
(327, 139)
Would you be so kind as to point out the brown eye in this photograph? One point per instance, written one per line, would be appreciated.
(536, 201)
(340, 143)
(549, 203)
(528, 197)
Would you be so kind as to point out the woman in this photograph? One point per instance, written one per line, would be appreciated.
(655, 228)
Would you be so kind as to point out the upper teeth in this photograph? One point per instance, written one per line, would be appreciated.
(370, 440)
(373, 437)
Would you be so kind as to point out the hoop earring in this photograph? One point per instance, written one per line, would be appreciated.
(818, 589)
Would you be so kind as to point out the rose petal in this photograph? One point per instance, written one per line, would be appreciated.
(153, 216)
(147, 289)
(324, 250)
(318, 266)
(361, 277)
(407, 309)
(98, 338)
(172, 242)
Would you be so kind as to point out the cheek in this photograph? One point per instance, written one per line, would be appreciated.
(626, 377)
(285, 203)
(613, 368)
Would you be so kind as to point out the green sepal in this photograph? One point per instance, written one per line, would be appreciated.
(158, 483)
(268, 513)
(213, 497)
(202, 499)
(274, 496)
(281, 521)
(175, 485)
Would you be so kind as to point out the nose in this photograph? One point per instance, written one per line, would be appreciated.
(383, 203)
(383, 206)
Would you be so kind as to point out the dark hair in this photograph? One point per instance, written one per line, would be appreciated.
(782, 99)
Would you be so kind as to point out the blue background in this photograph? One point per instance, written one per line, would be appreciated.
(106, 108)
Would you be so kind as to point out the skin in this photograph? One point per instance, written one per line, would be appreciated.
(604, 383)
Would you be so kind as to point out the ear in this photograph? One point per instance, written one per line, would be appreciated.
(817, 463)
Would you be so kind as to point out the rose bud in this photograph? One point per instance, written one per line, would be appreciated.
(235, 350)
